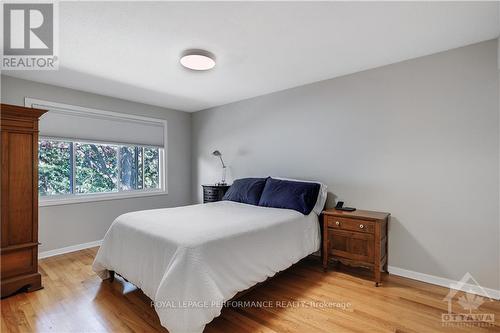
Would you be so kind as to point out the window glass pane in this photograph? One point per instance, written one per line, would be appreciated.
(54, 167)
(96, 168)
(140, 168)
(151, 168)
(128, 167)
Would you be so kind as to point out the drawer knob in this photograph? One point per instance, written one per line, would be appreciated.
(337, 223)
(361, 226)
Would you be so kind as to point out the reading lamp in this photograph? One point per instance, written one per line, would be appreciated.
(218, 154)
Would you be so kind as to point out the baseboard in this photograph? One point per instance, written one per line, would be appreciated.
(68, 249)
(443, 282)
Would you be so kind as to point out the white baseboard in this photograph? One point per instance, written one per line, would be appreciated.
(443, 282)
(68, 249)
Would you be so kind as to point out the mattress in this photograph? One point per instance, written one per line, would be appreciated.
(191, 259)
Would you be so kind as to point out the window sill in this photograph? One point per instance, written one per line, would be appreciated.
(97, 197)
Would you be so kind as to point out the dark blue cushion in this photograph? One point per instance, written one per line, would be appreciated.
(246, 190)
(299, 196)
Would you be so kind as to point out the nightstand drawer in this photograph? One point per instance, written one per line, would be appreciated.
(351, 224)
(351, 245)
(211, 191)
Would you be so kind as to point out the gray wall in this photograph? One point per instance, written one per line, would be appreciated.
(419, 139)
(72, 224)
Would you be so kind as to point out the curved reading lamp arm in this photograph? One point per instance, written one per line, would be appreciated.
(223, 165)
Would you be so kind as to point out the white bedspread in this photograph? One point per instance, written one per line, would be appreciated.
(191, 259)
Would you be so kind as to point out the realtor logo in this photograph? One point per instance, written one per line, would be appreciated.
(467, 292)
(29, 36)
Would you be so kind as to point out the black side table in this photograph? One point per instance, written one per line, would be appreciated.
(213, 193)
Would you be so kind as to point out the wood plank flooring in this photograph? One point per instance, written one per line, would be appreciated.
(302, 299)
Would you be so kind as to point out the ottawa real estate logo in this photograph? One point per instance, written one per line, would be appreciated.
(30, 36)
(467, 296)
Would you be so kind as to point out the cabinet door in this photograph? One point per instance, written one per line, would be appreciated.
(351, 245)
(18, 182)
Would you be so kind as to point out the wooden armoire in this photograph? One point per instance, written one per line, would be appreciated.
(19, 199)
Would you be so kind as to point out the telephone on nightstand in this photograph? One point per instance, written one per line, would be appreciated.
(340, 206)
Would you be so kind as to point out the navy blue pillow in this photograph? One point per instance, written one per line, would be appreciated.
(246, 190)
(299, 196)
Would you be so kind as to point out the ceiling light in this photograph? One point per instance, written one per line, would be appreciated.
(198, 60)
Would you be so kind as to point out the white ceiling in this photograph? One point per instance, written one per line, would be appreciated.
(131, 50)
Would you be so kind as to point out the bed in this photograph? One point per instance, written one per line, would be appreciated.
(191, 259)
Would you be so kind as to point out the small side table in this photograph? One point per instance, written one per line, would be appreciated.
(214, 192)
(358, 238)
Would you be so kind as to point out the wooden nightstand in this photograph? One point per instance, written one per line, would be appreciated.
(356, 238)
(213, 193)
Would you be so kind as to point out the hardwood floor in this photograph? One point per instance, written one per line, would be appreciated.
(76, 300)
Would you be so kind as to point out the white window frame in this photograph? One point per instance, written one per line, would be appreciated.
(55, 200)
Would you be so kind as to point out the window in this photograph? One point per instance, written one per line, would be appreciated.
(139, 168)
(89, 154)
(54, 167)
(96, 168)
(69, 168)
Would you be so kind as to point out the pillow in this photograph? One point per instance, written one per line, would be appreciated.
(246, 190)
(323, 193)
(299, 196)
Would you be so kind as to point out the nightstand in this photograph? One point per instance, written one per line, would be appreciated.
(213, 193)
(356, 238)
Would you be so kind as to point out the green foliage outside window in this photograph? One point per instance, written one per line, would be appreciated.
(54, 168)
(98, 168)
(129, 167)
(151, 168)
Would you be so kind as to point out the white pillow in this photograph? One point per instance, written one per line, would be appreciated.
(322, 194)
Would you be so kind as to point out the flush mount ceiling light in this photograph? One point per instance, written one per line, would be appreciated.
(198, 60)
